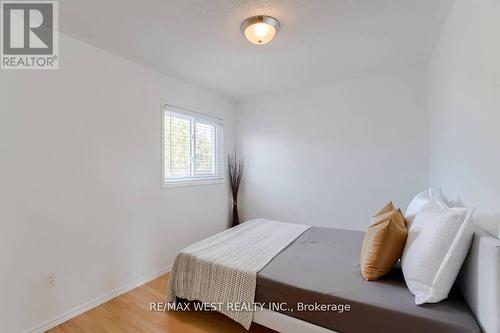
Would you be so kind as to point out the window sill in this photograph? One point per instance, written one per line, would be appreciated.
(193, 182)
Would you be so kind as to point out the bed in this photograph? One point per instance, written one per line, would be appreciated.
(321, 266)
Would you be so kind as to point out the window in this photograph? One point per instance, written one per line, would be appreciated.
(193, 147)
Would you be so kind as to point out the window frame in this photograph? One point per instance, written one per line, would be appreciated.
(194, 117)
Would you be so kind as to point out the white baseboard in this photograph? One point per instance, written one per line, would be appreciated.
(95, 302)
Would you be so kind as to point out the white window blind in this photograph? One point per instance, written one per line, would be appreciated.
(193, 146)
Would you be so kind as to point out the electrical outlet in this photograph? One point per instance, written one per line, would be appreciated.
(50, 280)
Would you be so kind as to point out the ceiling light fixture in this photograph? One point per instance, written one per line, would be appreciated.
(260, 29)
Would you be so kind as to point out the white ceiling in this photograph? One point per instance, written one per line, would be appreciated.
(199, 41)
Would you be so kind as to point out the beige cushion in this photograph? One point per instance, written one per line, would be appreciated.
(384, 243)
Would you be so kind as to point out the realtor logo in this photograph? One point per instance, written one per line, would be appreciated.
(29, 35)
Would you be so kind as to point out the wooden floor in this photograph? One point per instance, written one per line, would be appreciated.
(130, 313)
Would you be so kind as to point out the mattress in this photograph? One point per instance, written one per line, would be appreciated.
(321, 268)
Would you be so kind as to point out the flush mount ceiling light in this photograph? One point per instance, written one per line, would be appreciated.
(260, 29)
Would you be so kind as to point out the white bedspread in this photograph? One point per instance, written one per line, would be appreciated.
(222, 269)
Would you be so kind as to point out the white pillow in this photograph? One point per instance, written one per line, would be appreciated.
(437, 244)
(425, 200)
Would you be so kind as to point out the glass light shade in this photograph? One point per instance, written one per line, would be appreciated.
(260, 29)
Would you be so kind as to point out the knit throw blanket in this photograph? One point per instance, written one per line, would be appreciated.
(222, 269)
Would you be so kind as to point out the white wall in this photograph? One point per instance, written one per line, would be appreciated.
(333, 156)
(80, 182)
(464, 106)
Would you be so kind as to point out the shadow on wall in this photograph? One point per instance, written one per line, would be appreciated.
(490, 223)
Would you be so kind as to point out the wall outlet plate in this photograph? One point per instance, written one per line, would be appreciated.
(50, 279)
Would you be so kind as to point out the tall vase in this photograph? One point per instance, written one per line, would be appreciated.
(236, 219)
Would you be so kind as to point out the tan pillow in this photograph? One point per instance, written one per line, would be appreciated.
(384, 243)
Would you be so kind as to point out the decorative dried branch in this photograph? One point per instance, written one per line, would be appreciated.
(235, 169)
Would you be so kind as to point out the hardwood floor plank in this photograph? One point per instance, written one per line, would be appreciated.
(130, 313)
